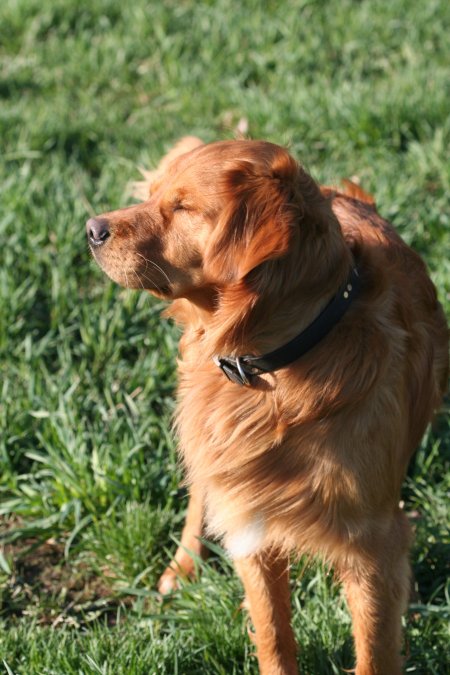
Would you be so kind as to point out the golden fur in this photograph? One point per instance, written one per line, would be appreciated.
(249, 249)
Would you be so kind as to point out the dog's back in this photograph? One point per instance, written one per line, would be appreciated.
(415, 308)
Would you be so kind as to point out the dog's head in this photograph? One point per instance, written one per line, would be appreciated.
(215, 215)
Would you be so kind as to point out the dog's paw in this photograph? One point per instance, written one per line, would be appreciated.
(168, 582)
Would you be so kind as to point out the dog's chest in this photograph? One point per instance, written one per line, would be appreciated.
(268, 480)
(254, 470)
(222, 425)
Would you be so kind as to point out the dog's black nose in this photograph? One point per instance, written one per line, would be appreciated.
(97, 231)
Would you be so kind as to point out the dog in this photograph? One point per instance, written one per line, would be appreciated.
(313, 357)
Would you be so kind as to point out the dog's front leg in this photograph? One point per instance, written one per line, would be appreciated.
(266, 582)
(183, 563)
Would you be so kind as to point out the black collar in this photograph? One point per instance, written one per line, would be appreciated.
(242, 369)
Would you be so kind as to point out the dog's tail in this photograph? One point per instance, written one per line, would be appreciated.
(352, 189)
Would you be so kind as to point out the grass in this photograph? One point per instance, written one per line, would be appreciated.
(90, 503)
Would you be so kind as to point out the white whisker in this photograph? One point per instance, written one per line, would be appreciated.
(150, 262)
(139, 279)
(151, 281)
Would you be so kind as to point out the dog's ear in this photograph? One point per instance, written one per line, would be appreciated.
(266, 196)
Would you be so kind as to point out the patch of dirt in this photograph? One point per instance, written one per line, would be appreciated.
(53, 590)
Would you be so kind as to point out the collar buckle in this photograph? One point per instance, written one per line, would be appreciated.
(234, 370)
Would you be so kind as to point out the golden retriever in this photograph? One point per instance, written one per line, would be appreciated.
(309, 455)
